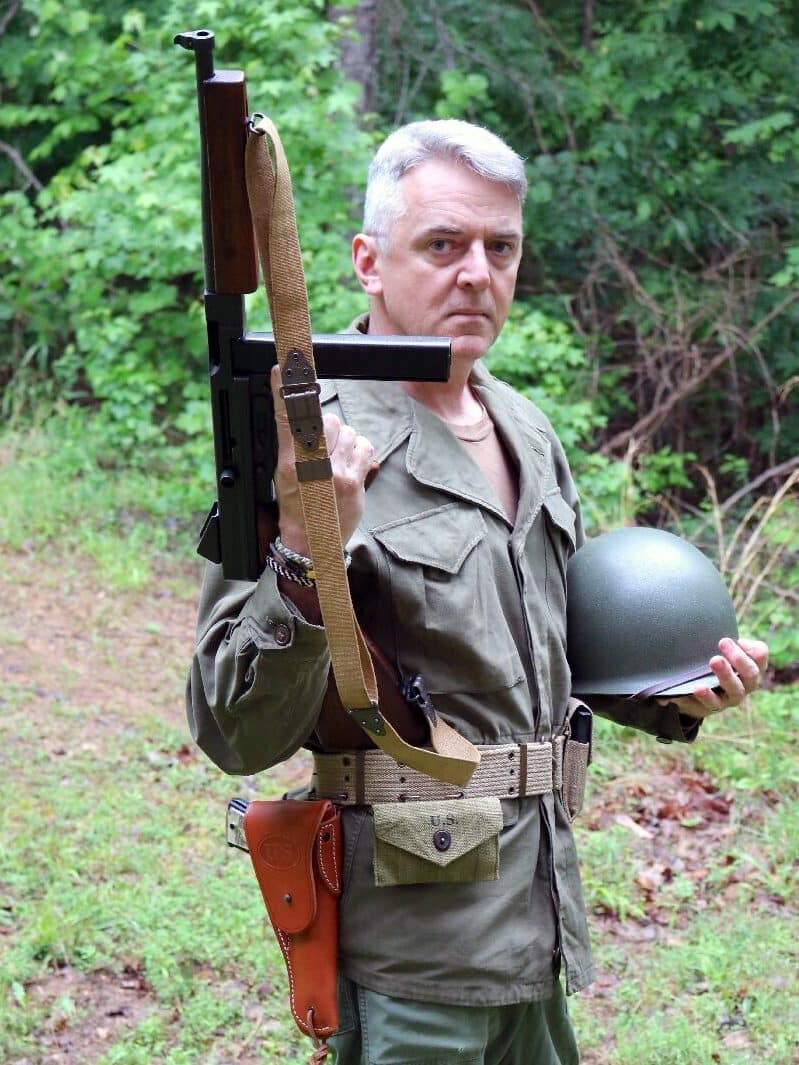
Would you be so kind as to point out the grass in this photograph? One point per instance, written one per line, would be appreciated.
(717, 980)
(62, 487)
(114, 862)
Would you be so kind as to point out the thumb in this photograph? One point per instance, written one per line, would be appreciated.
(285, 441)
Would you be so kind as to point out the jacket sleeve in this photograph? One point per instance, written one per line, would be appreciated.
(666, 723)
(258, 674)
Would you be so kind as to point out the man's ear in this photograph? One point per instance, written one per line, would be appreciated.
(365, 261)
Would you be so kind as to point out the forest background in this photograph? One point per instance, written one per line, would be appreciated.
(656, 323)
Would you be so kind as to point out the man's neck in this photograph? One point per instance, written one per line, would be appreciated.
(452, 400)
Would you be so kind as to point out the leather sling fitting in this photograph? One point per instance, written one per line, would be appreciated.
(453, 758)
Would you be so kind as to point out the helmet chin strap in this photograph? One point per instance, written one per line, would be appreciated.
(670, 682)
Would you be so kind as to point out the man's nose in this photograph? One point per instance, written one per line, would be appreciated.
(474, 271)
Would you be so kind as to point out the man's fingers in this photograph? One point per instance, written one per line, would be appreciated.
(757, 650)
(361, 455)
(333, 430)
(745, 659)
(351, 459)
(350, 453)
(739, 668)
(729, 681)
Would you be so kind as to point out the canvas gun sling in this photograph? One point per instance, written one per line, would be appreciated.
(453, 758)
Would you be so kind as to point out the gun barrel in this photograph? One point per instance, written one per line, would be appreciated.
(229, 258)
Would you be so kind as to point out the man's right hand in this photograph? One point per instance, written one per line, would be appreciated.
(352, 459)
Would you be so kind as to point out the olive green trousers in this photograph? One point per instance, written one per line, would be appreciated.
(378, 1030)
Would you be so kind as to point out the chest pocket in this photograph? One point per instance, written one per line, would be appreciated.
(450, 625)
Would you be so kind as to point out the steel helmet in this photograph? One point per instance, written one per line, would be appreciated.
(645, 612)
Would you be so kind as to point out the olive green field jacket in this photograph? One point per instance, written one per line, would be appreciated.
(448, 588)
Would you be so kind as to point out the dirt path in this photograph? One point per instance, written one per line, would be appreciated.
(64, 635)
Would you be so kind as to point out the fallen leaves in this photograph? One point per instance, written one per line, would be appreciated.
(685, 850)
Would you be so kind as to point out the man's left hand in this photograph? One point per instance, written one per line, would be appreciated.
(739, 669)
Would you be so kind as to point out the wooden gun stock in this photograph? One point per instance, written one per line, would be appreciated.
(226, 118)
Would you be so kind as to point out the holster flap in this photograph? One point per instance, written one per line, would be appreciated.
(282, 837)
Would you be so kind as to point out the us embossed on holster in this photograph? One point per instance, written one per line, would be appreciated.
(296, 851)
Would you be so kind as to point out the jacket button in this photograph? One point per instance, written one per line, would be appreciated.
(442, 840)
(282, 635)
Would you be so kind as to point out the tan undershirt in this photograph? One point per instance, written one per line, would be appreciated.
(482, 442)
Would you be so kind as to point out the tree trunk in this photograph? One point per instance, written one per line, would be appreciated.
(588, 25)
(359, 49)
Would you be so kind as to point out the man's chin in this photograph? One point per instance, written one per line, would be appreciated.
(471, 346)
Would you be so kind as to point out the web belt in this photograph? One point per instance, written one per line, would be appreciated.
(504, 770)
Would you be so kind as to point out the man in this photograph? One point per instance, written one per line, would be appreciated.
(458, 557)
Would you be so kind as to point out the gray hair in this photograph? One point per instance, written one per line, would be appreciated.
(448, 138)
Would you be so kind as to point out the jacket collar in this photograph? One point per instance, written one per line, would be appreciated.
(387, 416)
(526, 434)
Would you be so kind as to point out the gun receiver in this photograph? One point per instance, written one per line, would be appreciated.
(239, 361)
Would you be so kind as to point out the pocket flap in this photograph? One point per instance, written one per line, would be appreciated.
(561, 514)
(442, 537)
(438, 832)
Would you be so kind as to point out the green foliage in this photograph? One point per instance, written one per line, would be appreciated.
(660, 231)
(460, 91)
(63, 486)
(542, 358)
(540, 355)
(662, 153)
(101, 264)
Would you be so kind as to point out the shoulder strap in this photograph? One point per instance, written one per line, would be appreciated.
(453, 758)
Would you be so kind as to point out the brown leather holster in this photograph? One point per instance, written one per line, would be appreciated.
(296, 850)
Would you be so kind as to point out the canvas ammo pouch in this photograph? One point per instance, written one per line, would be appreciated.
(440, 841)
(576, 756)
(296, 851)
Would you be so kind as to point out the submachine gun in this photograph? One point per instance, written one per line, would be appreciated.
(240, 361)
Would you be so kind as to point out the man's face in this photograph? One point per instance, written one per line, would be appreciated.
(449, 267)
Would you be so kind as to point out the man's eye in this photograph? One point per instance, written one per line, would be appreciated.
(503, 247)
(440, 244)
